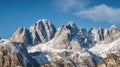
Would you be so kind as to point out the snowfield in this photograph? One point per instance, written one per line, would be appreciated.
(103, 49)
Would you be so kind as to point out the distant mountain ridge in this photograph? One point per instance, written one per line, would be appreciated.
(67, 47)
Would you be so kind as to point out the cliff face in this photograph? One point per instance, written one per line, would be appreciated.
(40, 32)
(106, 35)
(22, 35)
(110, 61)
(65, 35)
(13, 55)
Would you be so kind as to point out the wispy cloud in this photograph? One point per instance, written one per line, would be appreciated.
(101, 13)
(70, 5)
(84, 10)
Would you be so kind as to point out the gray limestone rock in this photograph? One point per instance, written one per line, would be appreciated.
(21, 36)
(40, 32)
(14, 55)
(105, 35)
(65, 35)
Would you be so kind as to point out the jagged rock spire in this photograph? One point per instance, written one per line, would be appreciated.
(113, 29)
(106, 35)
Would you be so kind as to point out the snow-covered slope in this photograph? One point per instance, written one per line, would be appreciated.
(82, 57)
(92, 56)
(104, 49)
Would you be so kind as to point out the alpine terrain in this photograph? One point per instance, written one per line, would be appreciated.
(43, 45)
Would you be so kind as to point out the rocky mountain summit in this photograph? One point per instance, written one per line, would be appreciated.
(107, 35)
(40, 32)
(42, 45)
(65, 35)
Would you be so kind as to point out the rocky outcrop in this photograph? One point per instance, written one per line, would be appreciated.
(81, 40)
(57, 64)
(22, 35)
(111, 34)
(40, 32)
(105, 35)
(113, 30)
(13, 55)
(110, 61)
(97, 34)
(65, 35)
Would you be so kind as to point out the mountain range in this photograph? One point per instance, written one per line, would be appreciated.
(43, 45)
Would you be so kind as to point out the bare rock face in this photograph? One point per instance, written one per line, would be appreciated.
(105, 35)
(111, 34)
(42, 31)
(97, 34)
(21, 36)
(81, 40)
(113, 30)
(110, 61)
(69, 59)
(14, 55)
(65, 35)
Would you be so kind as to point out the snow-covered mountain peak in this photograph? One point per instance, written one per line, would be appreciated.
(40, 32)
(70, 23)
(43, 20)
(69, 28)
(114, 30)
(21, 36)
(113, 26)
(92, 30)
(83, 30)
(65, 35)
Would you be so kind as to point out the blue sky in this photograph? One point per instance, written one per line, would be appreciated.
(84, 13)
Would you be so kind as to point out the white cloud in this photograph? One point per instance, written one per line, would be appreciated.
(70, 5)
(101, 13)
